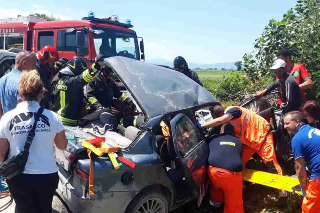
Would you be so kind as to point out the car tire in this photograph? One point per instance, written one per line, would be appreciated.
(150, 201)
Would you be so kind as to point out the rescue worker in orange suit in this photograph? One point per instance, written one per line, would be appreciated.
(47, 57)
(252, 130)
(306, 153)
(226, 175)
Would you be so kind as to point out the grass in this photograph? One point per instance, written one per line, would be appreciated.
(213, 73)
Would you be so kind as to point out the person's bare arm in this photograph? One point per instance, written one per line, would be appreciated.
(306, 85)
(1, 110)
(61, 141)
(300, 167)
(218, 121)
(260, 93)
(4, 145)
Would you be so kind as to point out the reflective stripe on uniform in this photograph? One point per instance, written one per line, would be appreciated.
(62, 99)
(92, 100)
(67, 121)
(87, 77)
(123, 97)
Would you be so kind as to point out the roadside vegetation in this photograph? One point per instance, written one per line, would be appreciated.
(231, 87)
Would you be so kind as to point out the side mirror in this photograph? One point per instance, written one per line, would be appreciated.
(142, 46)
(80, 42)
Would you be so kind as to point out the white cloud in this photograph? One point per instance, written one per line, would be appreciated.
(12, 13)
(37, 6)
(56, 15)
(68, 9)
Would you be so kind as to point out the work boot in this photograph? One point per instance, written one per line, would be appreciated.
(282, 199)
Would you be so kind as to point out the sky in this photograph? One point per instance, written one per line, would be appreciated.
(202, 31)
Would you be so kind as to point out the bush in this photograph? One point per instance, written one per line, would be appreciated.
(235, 87)
(298, 31)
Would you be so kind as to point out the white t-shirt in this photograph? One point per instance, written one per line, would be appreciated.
(16, 124)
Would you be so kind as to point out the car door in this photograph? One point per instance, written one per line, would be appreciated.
(192, 153)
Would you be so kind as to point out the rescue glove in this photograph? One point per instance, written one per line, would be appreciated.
(130, 104)
(62, 63)
(98, 63)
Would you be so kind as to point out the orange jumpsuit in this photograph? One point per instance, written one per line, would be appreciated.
(310, 203)
(226, 186)
(253, 131)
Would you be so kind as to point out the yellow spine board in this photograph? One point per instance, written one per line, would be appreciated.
(94, 149)
(272, 180)
(114, 161)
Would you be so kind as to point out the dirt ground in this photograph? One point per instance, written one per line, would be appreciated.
(257, 199)
(57, 206)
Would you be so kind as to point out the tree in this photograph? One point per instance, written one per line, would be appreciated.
(298, 31)
(223, 69)
(238, 64)
(45, 16)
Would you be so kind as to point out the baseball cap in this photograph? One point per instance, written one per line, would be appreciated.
(277, 64)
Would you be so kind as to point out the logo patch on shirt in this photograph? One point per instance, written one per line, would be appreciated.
(295, 73)
(27, 116)
(228, 143)
(315, 131)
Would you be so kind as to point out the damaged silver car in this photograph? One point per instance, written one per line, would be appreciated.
(168, 171)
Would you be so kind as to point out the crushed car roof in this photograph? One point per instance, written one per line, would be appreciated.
(159, 90)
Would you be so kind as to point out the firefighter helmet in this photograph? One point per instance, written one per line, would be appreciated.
(48, 54)
(180, 63)
(77, 65)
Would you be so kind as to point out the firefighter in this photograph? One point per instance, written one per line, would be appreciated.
(101, 93)
(47, 57)
(253, 131)
(180, 65)
(68, 94)
(226, 175)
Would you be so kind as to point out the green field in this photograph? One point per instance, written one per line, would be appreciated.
(213, 73)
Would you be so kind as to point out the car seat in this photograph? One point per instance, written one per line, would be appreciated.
(131, 132)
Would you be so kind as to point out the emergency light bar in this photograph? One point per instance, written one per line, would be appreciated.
(114, 20)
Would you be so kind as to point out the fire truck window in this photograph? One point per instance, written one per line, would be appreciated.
(67, 42)
(186, 135)
(71, 42)
(13, 40)
(45, 38)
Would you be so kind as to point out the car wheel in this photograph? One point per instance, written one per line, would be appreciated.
(149, 202)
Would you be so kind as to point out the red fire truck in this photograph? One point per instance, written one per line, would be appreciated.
(85, 38)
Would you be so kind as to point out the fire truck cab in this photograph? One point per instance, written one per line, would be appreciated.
(85, 38)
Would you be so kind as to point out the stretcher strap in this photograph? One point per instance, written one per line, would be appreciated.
(91, 193)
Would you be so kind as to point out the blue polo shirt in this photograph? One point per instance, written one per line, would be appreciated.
(9, 90)
(306, 144)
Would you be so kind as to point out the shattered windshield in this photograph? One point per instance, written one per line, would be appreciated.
(114, 43)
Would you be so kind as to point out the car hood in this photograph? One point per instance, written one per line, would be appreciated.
(159, 90)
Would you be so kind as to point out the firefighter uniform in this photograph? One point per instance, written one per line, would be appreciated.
(68, 94)
(101, 93)
(45, 75)
(254, 132)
